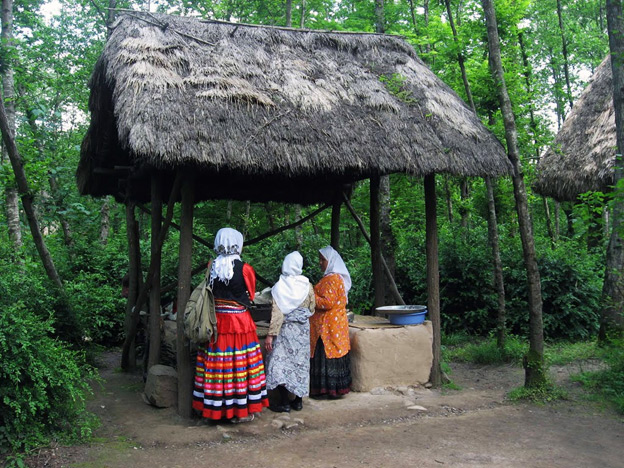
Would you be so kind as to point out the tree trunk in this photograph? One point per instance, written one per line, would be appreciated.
(612, 320)
(105, 221)
(464, 193)
(298, 235)
(270, 217)
(564, 50)
(497, 265)
(228, 211)
(449, 199)
(58, 204)
(557, 89)
(246, 221)
(557, 214)
(155, 259)
(460, 55)
(185, 383)
(380, 20)
(413, 15)
(388, 241)
(303, 12)
(27, 201)
(377, 266)
(110, 19)
(335, 225)
(289, 13)
(529, 89)
(549, 226)
(535, 374)
(8, 86)
(433, 278)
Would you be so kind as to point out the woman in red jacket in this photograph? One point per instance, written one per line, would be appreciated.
(229, 377)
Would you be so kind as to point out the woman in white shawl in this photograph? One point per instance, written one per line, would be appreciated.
(288, 340)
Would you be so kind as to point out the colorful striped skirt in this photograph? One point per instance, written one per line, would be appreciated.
(229, 375)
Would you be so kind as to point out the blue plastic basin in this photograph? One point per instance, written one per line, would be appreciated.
(407, 319)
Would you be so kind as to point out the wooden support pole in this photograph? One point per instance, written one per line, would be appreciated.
(393, 287)
(375, 243)
(433, 277)
(134, 320)
(335, 225)
(134, 268)
(185, 383)
(155, 259)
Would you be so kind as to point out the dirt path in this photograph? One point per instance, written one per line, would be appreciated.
(471, 427)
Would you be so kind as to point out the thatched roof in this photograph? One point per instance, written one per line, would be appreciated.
(583, 153)
(266, 113)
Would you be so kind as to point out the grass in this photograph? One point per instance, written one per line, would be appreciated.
(485, 351)
(606, 385)
(562, 353)
(543, 394)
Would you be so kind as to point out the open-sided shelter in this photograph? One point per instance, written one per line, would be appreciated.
(262, 113)
(582, 157)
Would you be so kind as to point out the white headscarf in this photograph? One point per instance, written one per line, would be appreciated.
(292, 288)
(336, 265)
(228, 246)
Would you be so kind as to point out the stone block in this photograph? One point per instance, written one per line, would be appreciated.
(161, 387)
(393, 356)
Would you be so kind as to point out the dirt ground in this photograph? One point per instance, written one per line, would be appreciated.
(392, 427)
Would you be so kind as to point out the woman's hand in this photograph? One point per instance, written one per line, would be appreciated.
(268, 343)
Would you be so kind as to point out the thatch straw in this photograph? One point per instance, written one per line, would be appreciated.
(582, 156)
(270, 114)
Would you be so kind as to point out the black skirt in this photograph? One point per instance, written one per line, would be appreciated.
(330, 377)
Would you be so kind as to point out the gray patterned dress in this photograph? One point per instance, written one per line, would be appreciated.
(289, 362)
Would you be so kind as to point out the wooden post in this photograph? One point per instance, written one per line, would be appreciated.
(335, 224)
(185, 384)
(134, 268)
(154, 299)
(433, 276)
(375, 215)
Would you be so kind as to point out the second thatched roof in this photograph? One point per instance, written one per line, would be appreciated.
(264, 113)
(583, 154)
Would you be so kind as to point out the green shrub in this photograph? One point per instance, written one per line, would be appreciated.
(98, 306)
(43, 384)
(571, 289)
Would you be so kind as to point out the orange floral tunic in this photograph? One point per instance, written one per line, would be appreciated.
(329, 321)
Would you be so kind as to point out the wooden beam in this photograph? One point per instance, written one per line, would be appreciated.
(156, 260)
(131, 332)
(183, 351)
(433, 277)
(288, 226)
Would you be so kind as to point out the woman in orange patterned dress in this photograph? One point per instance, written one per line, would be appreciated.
(330, 372)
